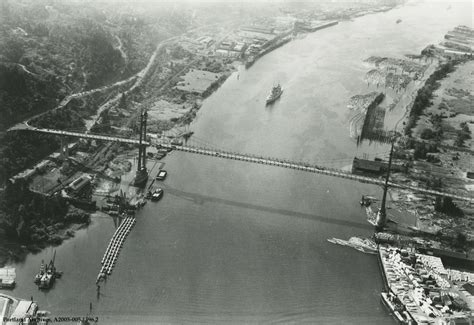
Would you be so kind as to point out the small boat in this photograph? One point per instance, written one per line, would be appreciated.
(161, 175)
(275, 94)
(365, 201)
(399, 21)
(157, 194)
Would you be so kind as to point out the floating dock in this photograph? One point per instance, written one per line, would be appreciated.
(113, 249)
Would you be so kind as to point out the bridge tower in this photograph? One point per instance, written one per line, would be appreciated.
(142, 174)
(381, 220)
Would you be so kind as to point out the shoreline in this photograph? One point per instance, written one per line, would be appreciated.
(409, 105)
(15, 251)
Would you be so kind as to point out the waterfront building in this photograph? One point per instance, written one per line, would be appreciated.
(420, 283)
(12, 309)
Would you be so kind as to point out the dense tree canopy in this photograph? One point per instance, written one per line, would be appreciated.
(33, 218)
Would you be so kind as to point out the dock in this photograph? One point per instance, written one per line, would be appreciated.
(113, 249)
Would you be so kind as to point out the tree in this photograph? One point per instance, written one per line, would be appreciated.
(5, 9)
(447, 206)
(462, 135)
(123, 101)
(427, 134)
(13, 49)
(460, 241)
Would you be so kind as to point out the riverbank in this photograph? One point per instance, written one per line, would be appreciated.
(428, 146)
(270, 47)
(15, 250)
(436, 162)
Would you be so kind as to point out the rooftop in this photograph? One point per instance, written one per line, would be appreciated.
(422, 285)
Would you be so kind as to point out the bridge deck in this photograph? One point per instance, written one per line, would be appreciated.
(85, 135)
(307, 168)
(252, 159)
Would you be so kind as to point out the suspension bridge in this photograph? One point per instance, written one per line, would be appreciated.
(306, 167)
(142, 143)
(91, 136)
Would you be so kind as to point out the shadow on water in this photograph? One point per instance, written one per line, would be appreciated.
(201, 199)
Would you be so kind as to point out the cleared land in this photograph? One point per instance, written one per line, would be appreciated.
(197, 81)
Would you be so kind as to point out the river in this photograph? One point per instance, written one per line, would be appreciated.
(243, 243)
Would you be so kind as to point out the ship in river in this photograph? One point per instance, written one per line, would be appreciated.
(156, 195)
(275, 94)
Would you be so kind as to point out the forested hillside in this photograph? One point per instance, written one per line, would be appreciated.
(50, 49)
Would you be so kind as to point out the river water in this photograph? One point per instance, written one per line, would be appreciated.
(242, 243)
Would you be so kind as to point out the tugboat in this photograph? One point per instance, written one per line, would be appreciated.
(365, 201)
(157, 194)
(275, 94)
(161, 175)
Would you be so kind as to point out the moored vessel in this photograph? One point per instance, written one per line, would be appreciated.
(396, 308)
(161, 175)
(47, 275)
(157, 194)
